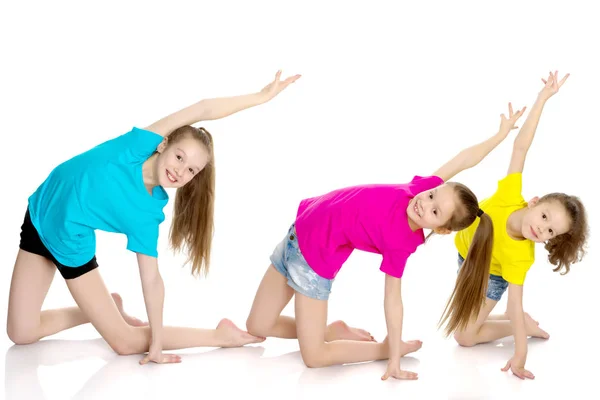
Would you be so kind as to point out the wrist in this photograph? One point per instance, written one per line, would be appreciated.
(521, 356)
(542, 98)
(156, 344)
(501, 135)
(260, 98)
(156, 334)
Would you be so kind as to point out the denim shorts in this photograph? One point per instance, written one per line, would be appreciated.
(289, 261)
(496, 284)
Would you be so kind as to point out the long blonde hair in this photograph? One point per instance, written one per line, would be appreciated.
(470, 287)
(193, 214)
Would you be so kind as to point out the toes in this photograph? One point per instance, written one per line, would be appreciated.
(545, 335)
(253, 339)
(363, 334)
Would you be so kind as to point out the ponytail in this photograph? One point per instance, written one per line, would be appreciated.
(471, 284)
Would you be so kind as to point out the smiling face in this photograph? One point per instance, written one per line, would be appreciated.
(432, 209)
(180, 161)
(544, 221)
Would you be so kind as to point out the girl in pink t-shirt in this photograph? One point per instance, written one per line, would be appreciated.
(386, 219)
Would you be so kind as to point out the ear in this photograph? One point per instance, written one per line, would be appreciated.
(162, 146)
(442, 231)
(533, 202)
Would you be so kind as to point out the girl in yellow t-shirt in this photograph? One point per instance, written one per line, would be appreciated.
(556, 219)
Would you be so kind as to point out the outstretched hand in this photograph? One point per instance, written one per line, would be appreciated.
(394, 371)
(517, 367)
(508, 124)
(277, 85)
(552, 85)
(156, 355)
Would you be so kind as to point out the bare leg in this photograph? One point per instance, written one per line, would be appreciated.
(529, 323)
(95, 301)
(265, 317)
(31, 279)
(316, 352)
(486, 330)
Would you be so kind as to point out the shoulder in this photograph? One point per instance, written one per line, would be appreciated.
(509, 189)
(420, 184)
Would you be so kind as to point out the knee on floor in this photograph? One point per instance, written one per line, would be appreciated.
(257, 328)
(127, 343)
(20, 334)
(314, 358)
(464, 339)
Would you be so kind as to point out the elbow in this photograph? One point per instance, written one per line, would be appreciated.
(514, 310)
(152, 278)
(467, 159)
(205, 112)
(520, 146)
(156, 282)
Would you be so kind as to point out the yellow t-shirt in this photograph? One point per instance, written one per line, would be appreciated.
(511, 258)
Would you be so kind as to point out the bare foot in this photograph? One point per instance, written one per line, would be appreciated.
(339, 330)
(411, 346)
(407, 347)
(232, 336)
(533, 329)
(129, 319)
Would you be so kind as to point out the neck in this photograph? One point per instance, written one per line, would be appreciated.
(514, 223)
(149, 173)
(412, 224)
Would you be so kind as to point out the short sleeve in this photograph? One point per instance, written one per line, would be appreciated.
(509, 189)
(144, 240)
(422, 183)
(515, 272)
(394, 262)
(141, 143)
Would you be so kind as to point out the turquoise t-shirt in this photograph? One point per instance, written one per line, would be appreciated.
(103, 189)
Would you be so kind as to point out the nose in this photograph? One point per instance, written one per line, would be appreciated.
(177, 172)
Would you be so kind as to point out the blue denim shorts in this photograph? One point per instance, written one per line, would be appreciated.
(289, 261)
(496, 284)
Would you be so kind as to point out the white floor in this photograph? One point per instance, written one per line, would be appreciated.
(79, 365)
(87, 369)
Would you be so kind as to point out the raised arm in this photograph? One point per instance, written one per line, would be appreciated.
(473, 155)
(525, 137)
(220, 107)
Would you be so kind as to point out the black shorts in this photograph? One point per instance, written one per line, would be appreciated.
(31, 242)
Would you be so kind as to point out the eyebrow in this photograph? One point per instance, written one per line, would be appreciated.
(548, 215)
(434, 191)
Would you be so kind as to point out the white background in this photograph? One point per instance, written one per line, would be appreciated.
(389, 90)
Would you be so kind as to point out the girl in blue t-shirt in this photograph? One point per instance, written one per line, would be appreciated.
(119, 186)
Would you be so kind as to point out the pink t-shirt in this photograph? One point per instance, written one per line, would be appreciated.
(367, 217)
